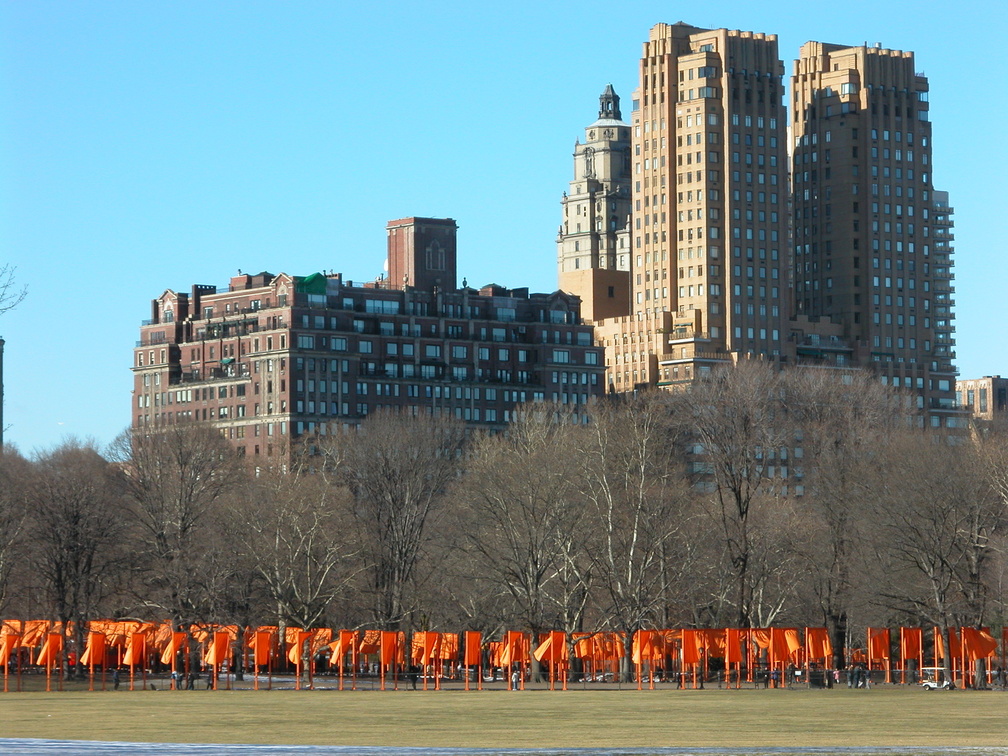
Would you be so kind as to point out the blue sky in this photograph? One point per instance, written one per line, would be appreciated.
(148, 145)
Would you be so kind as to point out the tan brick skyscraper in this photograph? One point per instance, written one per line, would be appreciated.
(709, 206)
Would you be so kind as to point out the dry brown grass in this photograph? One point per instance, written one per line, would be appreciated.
(883, 716)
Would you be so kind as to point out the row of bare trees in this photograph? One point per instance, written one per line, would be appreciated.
(756, 497)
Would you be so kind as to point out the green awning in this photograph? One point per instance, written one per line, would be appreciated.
(313, 284)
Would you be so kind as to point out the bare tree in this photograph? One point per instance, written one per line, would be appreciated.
(297, 527)
(15, 475)
(76, 501)
(177, 477)
(11, 295)
(741, 428)
(397, 469)
(842, 420)
(526, 520)
(938, 516)
(632, 478)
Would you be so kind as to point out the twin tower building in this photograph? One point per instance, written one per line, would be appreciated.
(719, 222)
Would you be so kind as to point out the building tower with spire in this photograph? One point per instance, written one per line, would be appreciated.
(593, 243)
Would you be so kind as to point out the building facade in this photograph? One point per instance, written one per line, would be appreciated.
(830, 248)
(709, 231)
(872, 238)
(270, 359)
(984, 398)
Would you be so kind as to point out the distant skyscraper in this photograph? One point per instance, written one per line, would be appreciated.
(593, 249)
(872, 239)
(709, 236)
(831, 250)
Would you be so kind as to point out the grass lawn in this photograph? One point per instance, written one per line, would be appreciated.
(883, 716)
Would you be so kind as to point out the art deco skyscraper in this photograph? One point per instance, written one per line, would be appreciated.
(709, 204)
(871, 236)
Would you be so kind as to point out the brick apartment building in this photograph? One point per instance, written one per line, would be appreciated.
(274, 358)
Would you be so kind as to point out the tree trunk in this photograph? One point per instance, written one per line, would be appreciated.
(980, 674)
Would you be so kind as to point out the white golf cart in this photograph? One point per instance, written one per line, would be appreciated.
(930, 677)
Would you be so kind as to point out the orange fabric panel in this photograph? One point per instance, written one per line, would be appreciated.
(8, 642)
(423, 647)
(691, 646)
(370, 643)
(336, 652)
(449, 646)
(389, 648)
(636, 655)
(818, 643)
(162, 635)
(496, 649)
(320, 639)
(295, 648)
(733, 645)
(136, 648)
(222, 646)
(348, 643)
(506, 651)
(175, 643)
(760, 636)
(714, 643)
(560, 651)
(956, 645)
(779, 650)
(543, 649)
(515, 649)
(262, 647)
(583, 645)
(978, 644)
(202, 633)
(553, 648)
(94, 652)
(607, 647)
(911, 643)
(793, 642)
(473, 639)
(955, 641)
(432, 647)
(34, 633)
(878, 643)
(12, 627)
(52, 647)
